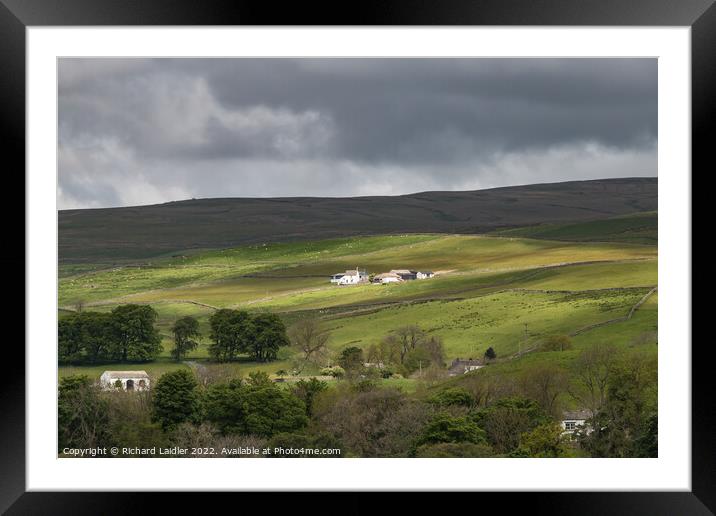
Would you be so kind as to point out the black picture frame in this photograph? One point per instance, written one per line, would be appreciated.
(17, 15)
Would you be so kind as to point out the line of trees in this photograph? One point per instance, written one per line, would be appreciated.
(127, 333)
(236, 332)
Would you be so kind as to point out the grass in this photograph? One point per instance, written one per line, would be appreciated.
(504, 291)
(468, 327)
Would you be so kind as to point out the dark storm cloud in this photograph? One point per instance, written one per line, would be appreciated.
(211, 127)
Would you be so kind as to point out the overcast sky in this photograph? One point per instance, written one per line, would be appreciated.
(144, 131)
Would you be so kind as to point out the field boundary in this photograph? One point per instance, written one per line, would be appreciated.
(618, 319)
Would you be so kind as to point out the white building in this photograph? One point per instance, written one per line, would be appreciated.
(350, 277)
(129, 380)
(571, 420)
(425, 274)
(387, 277)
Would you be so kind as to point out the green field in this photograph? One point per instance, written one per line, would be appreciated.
(505, 291)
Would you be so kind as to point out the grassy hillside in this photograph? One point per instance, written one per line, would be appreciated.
(119, 235)
(502, 292)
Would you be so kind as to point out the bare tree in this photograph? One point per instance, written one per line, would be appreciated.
(594, 368)
(308, 337)
(544, 383)
(405, 339)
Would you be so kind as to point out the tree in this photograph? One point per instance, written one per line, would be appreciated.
(444, 428)
(230, 334)
(185, 330)
(453, 396)
(490, 354)
(176, 399)
(594, 368)
(85, 337)
(82, 414)
(310, 340)
(556, 343)
(260, 409)
(624, 415)
(507, 419)
(351, 360)
(647, 444)
(405, 339)
(269, 335)
(135, 337)
(544, 382)
(307, 390)
(544, 440)
(378, 422)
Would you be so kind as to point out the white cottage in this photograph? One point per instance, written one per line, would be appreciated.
(571, 420)
(129, 380)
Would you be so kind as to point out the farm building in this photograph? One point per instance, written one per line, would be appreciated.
(130, 380)
(387, 277)
(458, 366)
(350, 277)
(425, 274)
(571, 420)
(405, 274)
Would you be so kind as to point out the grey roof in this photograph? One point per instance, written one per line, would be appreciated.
(126, 374)
(576, 414)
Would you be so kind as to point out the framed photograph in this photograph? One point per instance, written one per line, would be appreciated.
(413, 250)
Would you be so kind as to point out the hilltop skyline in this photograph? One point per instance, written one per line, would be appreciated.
(146, 131)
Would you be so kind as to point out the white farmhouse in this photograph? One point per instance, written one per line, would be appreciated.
(350, 277)
(129, 380)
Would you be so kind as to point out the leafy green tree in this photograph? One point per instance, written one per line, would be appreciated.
(271, 410)
(544, 440)
(351, 360)
(453, 396)
(444, 428)
(176, 399)
(85, 337)
(630, 401)
(231, 331)
(269, 335)
(135, 337)
(185, 331)
(490, 354)
(307, 390)
(262, 410)
(82, 414)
